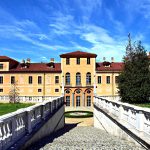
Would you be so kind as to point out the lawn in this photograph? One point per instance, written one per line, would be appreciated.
(9, 107)
(147, 105)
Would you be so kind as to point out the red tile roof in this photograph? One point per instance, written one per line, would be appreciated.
(78, 54)
(38, 67)
(12, 62)
(6, 58)
(114, 66)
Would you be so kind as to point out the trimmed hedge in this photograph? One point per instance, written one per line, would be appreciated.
(87, 115)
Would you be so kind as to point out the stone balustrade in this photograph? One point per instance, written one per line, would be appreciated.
(110, 97)
(132, 116)
(31, 99)
(15, 125)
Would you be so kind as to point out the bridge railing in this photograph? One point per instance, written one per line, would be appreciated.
(15, 125)
(137, 117)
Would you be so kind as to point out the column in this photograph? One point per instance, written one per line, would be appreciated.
(94, 84)
(62, 85)
(83, 99)
(73, 99)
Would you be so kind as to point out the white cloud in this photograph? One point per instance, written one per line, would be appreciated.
(44, 59)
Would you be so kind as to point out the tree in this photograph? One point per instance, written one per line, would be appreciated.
(14, 93)
(134, 81)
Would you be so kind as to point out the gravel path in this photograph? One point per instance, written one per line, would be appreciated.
(74, 137)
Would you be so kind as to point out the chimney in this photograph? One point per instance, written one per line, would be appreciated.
(23, 61)
(104, 58)
(112, 59)
(52, 60)
(28, 60)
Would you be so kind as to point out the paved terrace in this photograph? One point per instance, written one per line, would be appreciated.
(79, 134)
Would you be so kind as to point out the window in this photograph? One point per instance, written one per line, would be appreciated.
(88, 60)
(116, 79)
(78, 61)
(1, 66)
(78, 91)
(67, 100)
(12, 79)
(56, 90)
(1, 79)
(21, 79)
(88, 78)
(67, 61)
(67, 91)
(48, 80)
(88, 91)
(1, 90)
(77, 100)
(39, 80)
(56, 79)
(108, 79)
(78, 78)
(39, 90)
(99, 79)
(30, 79)
(67, 78)
(88, 100)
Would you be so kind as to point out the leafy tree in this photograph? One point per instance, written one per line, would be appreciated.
(14, 93)
(134, 81)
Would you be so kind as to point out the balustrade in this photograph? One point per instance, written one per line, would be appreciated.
(15, 125)
(135, 116)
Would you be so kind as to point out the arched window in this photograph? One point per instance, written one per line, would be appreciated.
(88, 78)
(88, 91)
(67, 78)
(78, 78)
(78, 91)
(67, 91)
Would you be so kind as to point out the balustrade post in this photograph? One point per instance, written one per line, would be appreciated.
(42, 111)
(57, 101)
(1, 135)
(50, 107)
(98, 101)
(28, 121)
(121, 110)
(13, 125)
(140, 120)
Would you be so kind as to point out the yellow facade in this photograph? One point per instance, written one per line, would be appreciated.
(78, 89)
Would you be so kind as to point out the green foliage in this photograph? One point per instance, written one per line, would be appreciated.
(10, 107)
(134, 81)
(83, 114)
(147, 105)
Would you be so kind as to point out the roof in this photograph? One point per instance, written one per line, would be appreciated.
(38, 67)
(12, 62)
(114, 66)
(6, 58)
(79, 54)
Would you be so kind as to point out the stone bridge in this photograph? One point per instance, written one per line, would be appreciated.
(42, 126)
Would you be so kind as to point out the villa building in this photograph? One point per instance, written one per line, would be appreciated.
(78, 77)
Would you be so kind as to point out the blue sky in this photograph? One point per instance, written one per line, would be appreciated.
(44, 29)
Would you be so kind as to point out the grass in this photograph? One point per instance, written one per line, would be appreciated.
(9, 107)
(147, 105)
(86, 114)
